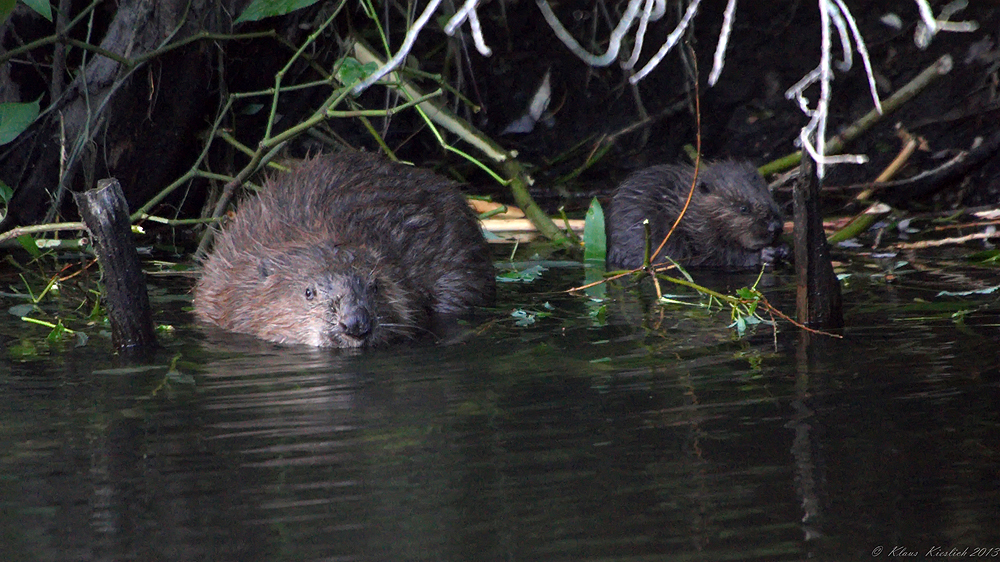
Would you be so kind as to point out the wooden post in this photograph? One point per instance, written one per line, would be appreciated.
(817, 288)
(106, 215)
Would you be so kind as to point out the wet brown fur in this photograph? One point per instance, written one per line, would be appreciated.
(730, 219)
(346, 250)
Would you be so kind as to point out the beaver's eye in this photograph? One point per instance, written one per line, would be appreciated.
(310, 293)
(744, 209)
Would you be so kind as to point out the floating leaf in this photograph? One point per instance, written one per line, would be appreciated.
(260, 9)
(20, 310)
(57, 333)
(985, 256)
(525, 276)
(524, 318)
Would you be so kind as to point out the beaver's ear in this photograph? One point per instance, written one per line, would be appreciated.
(705, 187)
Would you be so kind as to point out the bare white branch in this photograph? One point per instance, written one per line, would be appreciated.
(929, 26)
(468, 11)
(859, 43)
(927, 14)
(460, 16)
(640, 34)
(719, 60)
(845, 41)
(477, 35)
(833, 13)
(404, 49)
(672, 40)
(812, 138)
(614, 45)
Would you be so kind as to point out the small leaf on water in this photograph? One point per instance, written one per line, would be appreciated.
(985, 256)
(524, 318)
(20, 310)
(57, 332)
(524, 276)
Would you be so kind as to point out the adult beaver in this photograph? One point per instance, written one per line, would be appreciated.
(346, 250)
(730, 220)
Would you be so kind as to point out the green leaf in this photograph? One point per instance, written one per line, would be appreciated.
(523, 318)
(741, 325)
(6, 7)
(57, 333)
(526, 276)
(260, 9)
(43, 7)
(352, 71)
(252, 109)
(5, 192)
(15, 118)
(594, 242)
(29, 245)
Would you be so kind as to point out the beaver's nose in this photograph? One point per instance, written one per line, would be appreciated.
(357, 323)
(774, 228)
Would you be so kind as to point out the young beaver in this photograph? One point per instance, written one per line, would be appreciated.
(730, 220)
(346, 250)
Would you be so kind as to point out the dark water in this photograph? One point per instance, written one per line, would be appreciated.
(629, 434)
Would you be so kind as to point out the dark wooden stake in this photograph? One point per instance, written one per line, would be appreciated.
(106, 215)
(817, 291)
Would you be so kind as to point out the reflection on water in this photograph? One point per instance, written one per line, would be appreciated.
(629, 435)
